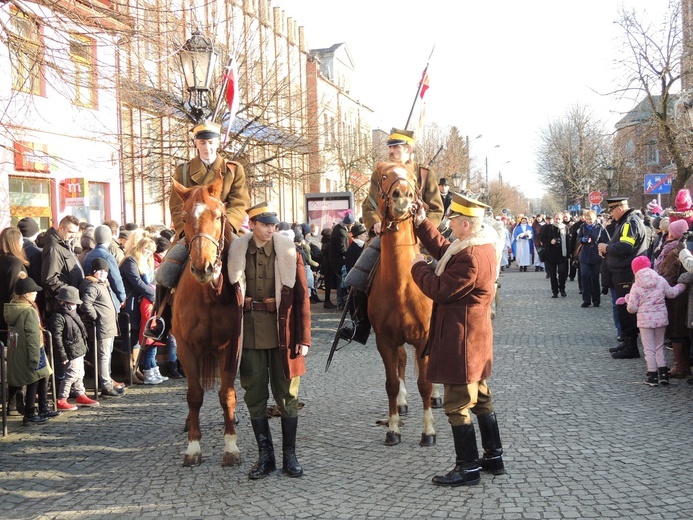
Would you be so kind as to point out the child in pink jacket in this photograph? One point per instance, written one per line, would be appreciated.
(647, 299)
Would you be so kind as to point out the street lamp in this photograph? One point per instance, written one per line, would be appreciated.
(609, 174)
(198, 59)
(458, 183)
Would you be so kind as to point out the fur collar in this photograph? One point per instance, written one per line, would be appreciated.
(480, 238)
(284, 265)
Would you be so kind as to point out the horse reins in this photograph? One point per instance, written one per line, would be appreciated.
(392, 223)
(218, 243)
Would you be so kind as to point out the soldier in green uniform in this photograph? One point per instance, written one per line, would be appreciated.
(204, 170)
(400, 146)
(269, 279)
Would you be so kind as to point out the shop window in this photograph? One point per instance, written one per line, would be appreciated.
(30, 197)
(83, 59)
(26, 53)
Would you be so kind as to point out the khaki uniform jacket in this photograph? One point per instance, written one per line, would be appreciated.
(429, 193)
(233, 192)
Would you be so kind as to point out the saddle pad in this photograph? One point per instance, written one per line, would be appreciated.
(172, 266)
(360, 273)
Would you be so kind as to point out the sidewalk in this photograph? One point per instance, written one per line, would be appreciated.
(583, 438)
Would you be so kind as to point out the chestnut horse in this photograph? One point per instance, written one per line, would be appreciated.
(399, 312)
(201, 322)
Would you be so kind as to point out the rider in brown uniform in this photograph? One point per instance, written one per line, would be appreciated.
(400, 146)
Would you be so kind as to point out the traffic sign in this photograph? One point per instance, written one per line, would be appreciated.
(658, 183)
(596, 197)
(597, 208)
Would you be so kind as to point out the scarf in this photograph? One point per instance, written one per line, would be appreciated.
(479, 238)
(564, 246)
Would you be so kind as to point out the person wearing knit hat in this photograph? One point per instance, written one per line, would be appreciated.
(28, 227)
(100, 308)
(683, 207)
(671, 241)
(103, 237)
(647, 298)
(628, 241)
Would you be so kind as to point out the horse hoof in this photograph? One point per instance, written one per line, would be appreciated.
(230, 459)
(436, 402)
(192, 460)
(427, 440)
(392, 438)
(403, 409)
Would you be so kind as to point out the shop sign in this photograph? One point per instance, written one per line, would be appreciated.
(31, 157)
(73, 192)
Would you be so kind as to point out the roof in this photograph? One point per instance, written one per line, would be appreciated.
(265, 134)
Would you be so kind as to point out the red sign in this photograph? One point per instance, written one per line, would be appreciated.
(31, 157)
(596, 197)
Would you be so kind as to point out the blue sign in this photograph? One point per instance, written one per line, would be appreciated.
(597, 208)
(658, 183)
(574, 208)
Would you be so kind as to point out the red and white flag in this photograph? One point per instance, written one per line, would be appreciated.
(231, 94)
(423, 87)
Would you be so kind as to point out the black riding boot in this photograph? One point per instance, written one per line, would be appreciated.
(490, 440)
(466, 470)
(363, 324)
(291, 466)
(265, 463)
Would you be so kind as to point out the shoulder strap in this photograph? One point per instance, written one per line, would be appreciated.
(185, 174)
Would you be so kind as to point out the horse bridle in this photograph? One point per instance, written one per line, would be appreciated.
(218, 243)
(393, 223)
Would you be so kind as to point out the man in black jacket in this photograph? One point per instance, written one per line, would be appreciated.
(339, 243)
(628, 240)
(30, 230)
(59, 263)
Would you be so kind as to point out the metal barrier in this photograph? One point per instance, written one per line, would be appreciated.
(3, 391)
(124, 347)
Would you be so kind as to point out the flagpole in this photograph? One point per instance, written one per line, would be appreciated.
(217, 106)
(418, 89)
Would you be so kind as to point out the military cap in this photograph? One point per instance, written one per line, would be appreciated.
(614, 202)
(262, 213)
(207, 130)
(468, 207)
(400, 137)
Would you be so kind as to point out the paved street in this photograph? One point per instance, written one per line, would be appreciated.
(583, 438)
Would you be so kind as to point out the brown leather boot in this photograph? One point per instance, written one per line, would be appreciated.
(682, 367)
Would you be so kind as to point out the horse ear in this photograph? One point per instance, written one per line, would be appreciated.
(181, 190)
(214, 189)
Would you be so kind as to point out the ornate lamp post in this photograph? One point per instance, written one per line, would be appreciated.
(609, 174)
(198, 59)
(458, 183)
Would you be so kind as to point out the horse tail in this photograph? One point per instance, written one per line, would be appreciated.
(208, 369)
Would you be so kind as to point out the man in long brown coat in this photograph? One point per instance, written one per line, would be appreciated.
(269, 281)
(460, 344)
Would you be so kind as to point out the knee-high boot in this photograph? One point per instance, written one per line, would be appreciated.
(466, 471)
(265, 463)
(491, 443)
(630, 351)
(291, 466)
(682, 364)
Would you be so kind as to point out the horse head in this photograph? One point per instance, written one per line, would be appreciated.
(204, 218)
(397, 192)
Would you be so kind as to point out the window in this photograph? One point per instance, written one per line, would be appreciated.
(652, 153)
(26, 53)
(84, 63)
(630, 153)
(30, 196)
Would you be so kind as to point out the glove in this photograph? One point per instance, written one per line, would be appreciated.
(605, 290)
(621, 301)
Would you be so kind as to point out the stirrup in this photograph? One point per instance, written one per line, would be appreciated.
(154, 328)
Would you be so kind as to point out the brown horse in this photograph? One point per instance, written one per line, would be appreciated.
(201, 322)
(397, 309)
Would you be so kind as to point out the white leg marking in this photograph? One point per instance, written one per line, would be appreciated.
(402, 395)
(394, 423)
(428, 423)
(193, 448)
(230, 444)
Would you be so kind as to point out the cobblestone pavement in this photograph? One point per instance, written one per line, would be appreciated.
(583, 438)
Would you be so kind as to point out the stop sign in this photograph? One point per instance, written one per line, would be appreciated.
(596, 197)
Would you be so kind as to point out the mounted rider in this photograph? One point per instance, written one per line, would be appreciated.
(202, 170)
(400, 147)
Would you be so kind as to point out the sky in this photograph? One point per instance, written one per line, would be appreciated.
(502, 69)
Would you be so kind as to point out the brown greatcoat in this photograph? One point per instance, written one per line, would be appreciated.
(234, 192)
(291, 293)
(460, 344)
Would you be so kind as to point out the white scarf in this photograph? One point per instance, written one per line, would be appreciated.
(479, 238)
(564, 247)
